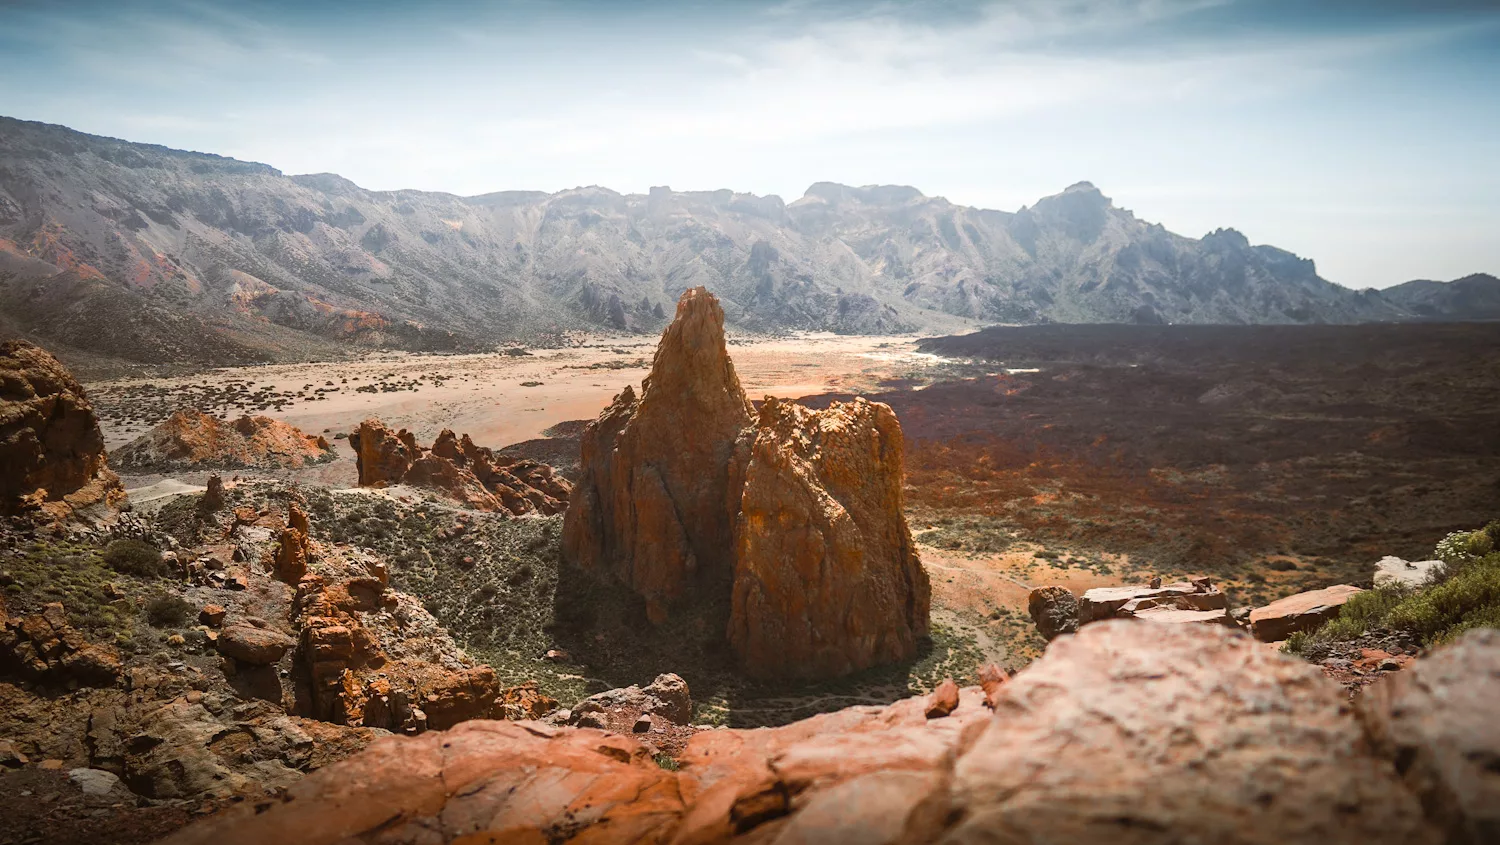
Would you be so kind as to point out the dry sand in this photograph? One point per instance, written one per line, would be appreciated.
(487, 395)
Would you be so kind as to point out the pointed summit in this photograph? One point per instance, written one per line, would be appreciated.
(650, 508)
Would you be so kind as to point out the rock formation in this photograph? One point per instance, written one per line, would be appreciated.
(1054, 610)
(191, 440)
(458, 469)
(657, 499)
(1301, 612)
(791, 517)
(1123, 733)
(1393, 571)
(826, 577)
(44, 647)
(52, 460)
(1110, 602)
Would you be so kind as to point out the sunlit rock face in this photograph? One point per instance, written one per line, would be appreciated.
(52, 460)
(688, 493)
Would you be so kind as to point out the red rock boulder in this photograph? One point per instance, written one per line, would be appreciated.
(52, 460)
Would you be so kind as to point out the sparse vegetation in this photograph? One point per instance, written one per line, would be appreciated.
(167, 611)
(134, 557)
(1465, 595)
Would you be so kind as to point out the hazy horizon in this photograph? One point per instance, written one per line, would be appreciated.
(1361, 135)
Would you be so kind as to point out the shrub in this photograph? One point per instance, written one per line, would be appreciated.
(134, 557)
(1468, 598)
(1362, 612)
(666, 762)
(166, 611)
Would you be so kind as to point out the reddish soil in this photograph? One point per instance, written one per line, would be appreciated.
(1288, 457)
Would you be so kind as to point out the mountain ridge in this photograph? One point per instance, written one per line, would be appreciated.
(199, 259)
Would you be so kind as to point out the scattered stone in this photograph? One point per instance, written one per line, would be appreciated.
(1054, 610)
(1301, 612)
(943, 700)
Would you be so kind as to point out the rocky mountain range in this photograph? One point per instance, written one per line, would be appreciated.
(140, 253)
(1474, 297)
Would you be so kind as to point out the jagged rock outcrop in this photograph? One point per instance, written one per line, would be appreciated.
(826, 576)
(1122, 733)
(44, 647)
(52, 460)
(458, 469)
(190, 440)
(789, 517)
(373, 657)
(655, 506)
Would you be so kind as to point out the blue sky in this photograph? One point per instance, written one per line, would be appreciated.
(1364, 135)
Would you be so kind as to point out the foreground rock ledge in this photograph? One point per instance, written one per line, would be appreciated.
(1123, 733)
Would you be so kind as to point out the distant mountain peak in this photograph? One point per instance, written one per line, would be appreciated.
(835, 193)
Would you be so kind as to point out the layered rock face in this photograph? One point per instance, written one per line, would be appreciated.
(826, 577)
(458, 469)
(52, 459)
(656, 503)
(1124, 733)
(791, 517)
(194, 440)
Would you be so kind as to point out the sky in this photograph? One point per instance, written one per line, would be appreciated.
(1364, 134)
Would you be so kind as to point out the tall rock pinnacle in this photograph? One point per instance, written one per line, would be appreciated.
(790, 518)
(652, 505)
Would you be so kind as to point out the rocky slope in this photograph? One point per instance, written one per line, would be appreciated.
(793, 516)
(1474, 297)
(198, 259)
(190, 440)
(1124, 732)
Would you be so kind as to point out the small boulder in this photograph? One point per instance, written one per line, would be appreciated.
(672, 700)
(95, 781)
(255, 646)
(943, 700)
(642, 724)
(1393, 571)
(212, 615)
(1054, 610)
(1301, 612)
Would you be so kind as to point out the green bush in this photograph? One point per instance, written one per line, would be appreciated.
(666, 762)
(1468, 598)
(166, 611)
(1363, 612)
(134, 557)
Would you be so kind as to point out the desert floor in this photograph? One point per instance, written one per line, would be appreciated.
(501, 399)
